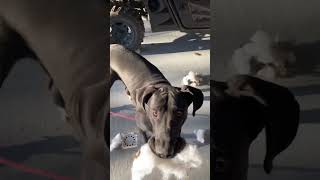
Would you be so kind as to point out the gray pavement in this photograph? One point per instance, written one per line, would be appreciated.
(34, 135)
(175, 54)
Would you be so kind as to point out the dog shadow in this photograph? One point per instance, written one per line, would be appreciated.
(187, 42)
(310, 116)
(307, 58)
(306, 90)
(289, 168)
(48, 145)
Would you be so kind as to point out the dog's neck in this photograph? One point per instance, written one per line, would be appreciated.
(134, 70)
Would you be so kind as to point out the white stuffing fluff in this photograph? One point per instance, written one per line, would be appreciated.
(179, 166)
(259, 47)
(202, 135)
(192, 79)
(241, 61)
(262, 38)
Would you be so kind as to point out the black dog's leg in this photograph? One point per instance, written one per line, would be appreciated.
(5, 66)
(12, 48)
(6, 52)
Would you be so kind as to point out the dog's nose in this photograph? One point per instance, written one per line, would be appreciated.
(165, 156)
(162, 155)
(165, 153)
(164, 147)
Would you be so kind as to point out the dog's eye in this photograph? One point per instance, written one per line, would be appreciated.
(155, 113)
(179, 113)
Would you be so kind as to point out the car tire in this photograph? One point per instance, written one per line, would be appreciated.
(126, 28)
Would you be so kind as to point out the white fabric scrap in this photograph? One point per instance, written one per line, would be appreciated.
(116, 142)
(178, 166)
(262, 38)
(259, 47)
(192, 79)
(241, 61)
(201, 135)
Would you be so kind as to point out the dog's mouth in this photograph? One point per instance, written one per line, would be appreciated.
(178, 147)
(151, 143)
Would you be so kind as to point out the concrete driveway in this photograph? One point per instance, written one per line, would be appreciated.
(35, 141)
(175, 54)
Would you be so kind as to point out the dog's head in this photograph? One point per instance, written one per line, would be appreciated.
(239, 117)
(166, 108)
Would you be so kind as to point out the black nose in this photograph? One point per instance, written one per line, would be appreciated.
(166, 153)
(165, 156)
(162, 156)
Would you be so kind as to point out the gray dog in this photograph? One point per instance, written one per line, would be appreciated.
(241, 108)
(68, 39)
(161, 109)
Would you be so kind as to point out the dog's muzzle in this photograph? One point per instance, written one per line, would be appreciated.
(175, 146)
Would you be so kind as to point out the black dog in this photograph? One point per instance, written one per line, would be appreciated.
(161, 109)
(68, 39)
(241, 108)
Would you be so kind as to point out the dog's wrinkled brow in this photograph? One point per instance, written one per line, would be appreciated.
(165, 98)
(160, 101)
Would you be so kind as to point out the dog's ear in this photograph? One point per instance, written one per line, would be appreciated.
(281, 128)
(196, 97)
(142, 95)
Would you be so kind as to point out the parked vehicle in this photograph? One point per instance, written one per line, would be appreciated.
(126, 18)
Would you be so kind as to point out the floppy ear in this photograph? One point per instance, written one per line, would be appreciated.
(281, 128)
(197, 97)
(142, 95)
